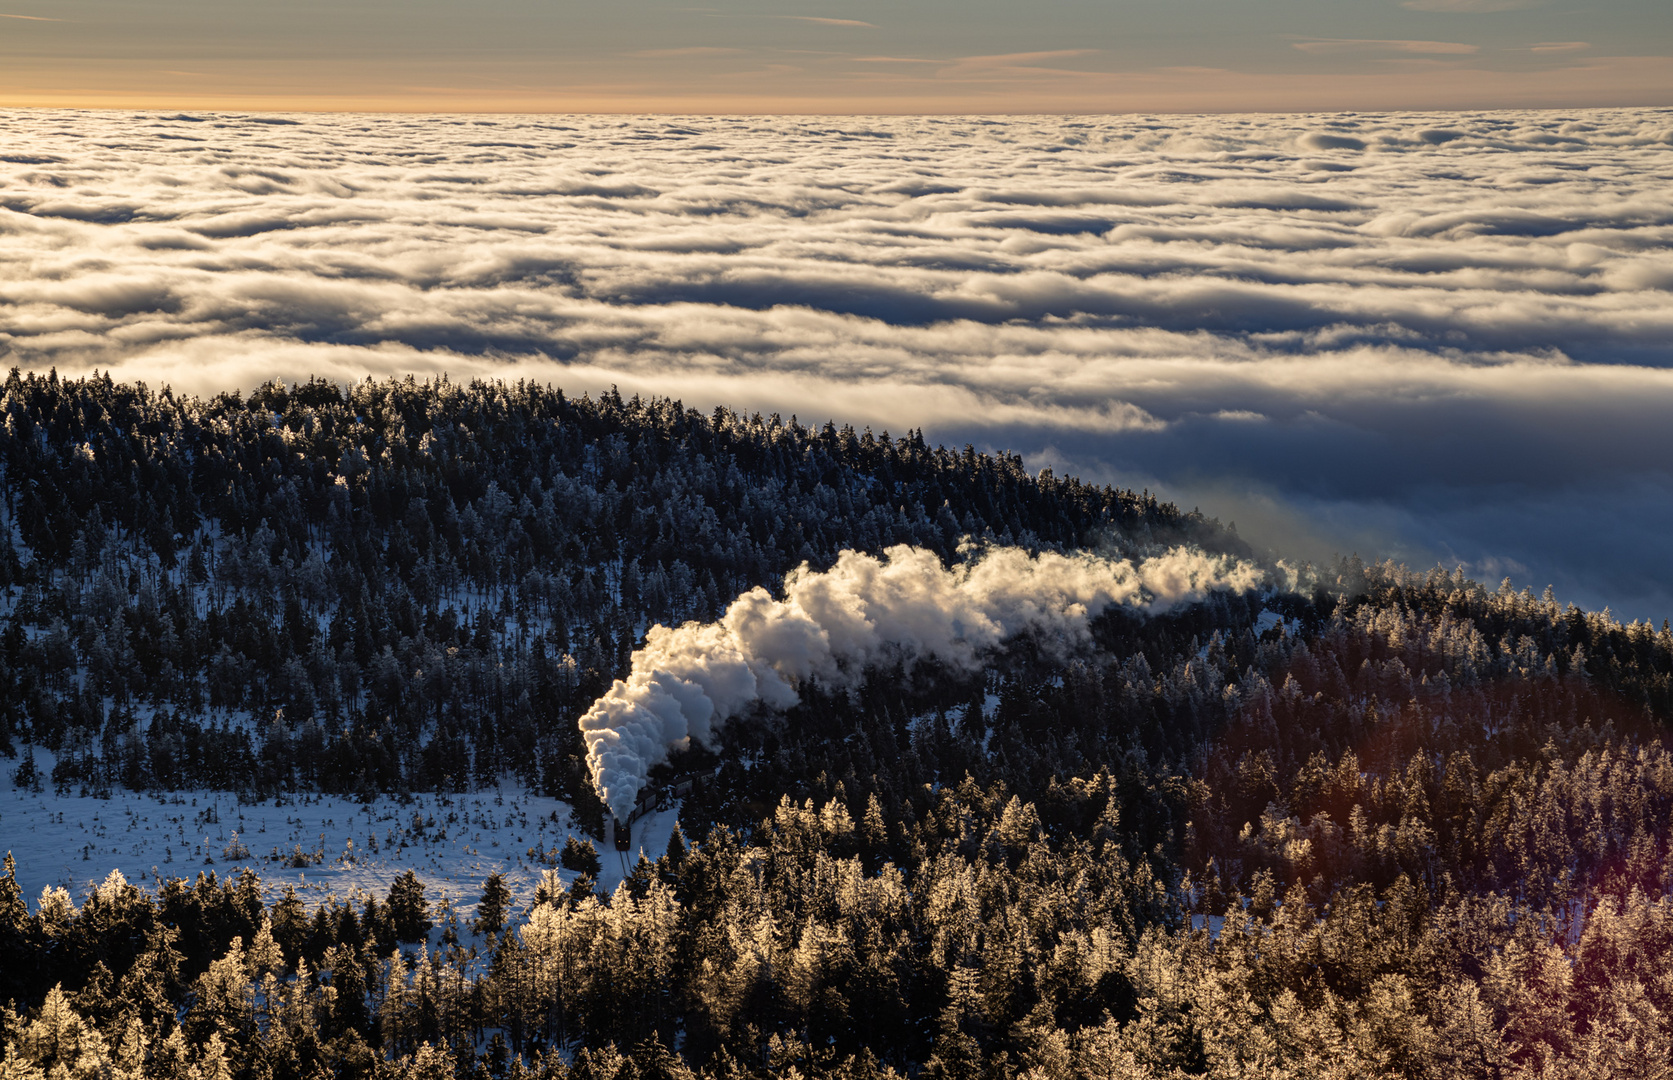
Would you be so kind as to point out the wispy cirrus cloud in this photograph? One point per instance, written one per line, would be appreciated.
(822, 21)
(29, 18)
(1021, 58)
(686, 51)
(1033, 63)
(1469, 7)
(1331, 46)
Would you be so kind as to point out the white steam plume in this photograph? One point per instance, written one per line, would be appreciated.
(687, 683)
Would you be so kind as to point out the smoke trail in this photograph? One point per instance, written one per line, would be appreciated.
(687, 682)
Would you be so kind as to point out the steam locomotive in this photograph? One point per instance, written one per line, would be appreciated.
(652, 797)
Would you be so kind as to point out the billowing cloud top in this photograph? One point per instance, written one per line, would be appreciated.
(831, 625)
(1444, 336)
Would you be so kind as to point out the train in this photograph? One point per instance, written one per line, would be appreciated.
(619, 834)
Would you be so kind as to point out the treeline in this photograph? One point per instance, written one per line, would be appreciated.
(1482, 740)
(1388, 825)
(1001, 948)
(420, 586)
(1487, 742)
(1402, 849)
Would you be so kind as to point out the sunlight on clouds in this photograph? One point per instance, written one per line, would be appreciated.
(1385, 333)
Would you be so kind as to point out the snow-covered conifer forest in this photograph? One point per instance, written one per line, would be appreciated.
(310, 707)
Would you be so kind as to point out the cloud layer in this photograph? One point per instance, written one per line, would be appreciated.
(1442, 336)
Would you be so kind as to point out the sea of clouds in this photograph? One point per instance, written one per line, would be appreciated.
(1433, 336)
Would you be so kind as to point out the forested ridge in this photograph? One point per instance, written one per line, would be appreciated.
(309, 551)
(1370, 823)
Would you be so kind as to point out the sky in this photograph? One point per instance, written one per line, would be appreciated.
(1435, 337)
(835, 56)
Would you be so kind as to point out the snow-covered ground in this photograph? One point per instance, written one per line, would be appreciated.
(1268, 618)
(452, 842)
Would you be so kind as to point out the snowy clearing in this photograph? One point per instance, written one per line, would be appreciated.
(325, 845)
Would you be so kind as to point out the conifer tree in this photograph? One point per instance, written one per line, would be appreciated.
(494, 907)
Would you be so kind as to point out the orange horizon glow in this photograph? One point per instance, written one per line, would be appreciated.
(1599, 82)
